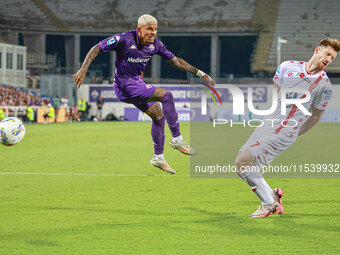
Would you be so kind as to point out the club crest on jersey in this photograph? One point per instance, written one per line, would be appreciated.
(151, 47)
(133, 47)
(148, 86)
(303, 76)
(111, 41)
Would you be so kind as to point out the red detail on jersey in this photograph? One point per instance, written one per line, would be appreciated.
(291, 114)
(276, 76)
(327, 80)
(256, 144)
(254, 189)
(301, 62)
(300, 120)
(313, 86)
(302, 75)
(291, 61)
(325, 104)
(291, 135)
(323, 74)
(258, 157)
(295, 128)
(290, 74)
(274, 148)
(266, 152)
(276, 84)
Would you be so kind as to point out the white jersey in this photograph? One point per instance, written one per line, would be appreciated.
(293, 74)
(270, 140)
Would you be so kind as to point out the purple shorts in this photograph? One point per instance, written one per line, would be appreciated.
(134, 90)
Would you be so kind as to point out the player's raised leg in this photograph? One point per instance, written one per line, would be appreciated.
(171, 116)
(158, 137)
(252, 176)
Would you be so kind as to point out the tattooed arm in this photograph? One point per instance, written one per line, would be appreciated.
(181, 64)
(91, 55)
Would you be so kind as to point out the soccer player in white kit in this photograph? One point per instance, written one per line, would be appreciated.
(273, 138)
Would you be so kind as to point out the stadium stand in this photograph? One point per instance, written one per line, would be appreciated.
(108, 16)
(263, 23)
(303, 24)
(23, 15)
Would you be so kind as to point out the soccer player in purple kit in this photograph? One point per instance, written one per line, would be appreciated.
(134, 49)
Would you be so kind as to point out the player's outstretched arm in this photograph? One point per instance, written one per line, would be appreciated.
(91, 55)
(185, 66)
(311, 121)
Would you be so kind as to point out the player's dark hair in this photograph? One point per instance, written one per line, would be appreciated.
(334, 43)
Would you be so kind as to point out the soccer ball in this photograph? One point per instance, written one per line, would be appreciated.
(12, 130)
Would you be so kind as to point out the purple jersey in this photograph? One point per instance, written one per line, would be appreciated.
(132, 56)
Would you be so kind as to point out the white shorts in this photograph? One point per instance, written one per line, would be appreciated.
(265, 148)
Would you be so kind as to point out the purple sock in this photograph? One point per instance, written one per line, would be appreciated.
(170, 113)
(158, 136)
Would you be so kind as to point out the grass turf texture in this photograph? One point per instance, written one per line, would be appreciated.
(48, 214)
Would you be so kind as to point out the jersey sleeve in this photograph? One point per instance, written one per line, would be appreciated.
(163, 51)
(278, 77)
(111, 43)
(323, 97)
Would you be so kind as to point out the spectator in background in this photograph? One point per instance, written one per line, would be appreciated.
(2, 114)
(50, 114)
(72, 114)
(82, 109)
(100, 104)
(29, 114)
(64, 102)
(56, 105)
(37, 100)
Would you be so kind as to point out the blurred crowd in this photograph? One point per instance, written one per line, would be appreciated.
(28, 100)
(10, 96)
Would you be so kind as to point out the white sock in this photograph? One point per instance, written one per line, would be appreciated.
(259, 186)
(177, 139)
(159, 156)
(270, 190)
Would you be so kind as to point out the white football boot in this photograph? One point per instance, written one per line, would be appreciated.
(162, 164)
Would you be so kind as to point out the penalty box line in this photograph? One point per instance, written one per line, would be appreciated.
(80, 174)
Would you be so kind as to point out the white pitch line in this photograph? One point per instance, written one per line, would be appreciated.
(75, 174)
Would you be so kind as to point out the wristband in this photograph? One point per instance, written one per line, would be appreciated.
(200, 73)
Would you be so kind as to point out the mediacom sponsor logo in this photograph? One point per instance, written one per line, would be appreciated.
(138, 60)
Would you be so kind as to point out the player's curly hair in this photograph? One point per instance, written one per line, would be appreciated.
(334, 43)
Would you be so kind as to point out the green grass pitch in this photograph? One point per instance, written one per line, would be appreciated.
(130, 211)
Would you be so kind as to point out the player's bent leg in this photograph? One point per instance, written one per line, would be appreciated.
(157, 128)
(250, 173)
(244, 159)
(171, 116)
(169, 110)
(157, 95)
(158, 137)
